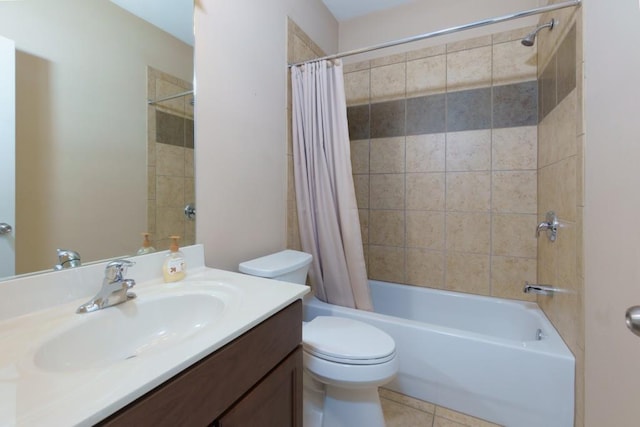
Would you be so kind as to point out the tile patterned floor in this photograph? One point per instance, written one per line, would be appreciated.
(404, 411)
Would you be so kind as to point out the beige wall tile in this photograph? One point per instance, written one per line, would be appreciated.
(513, 64)
(386, 263)
(398, 415)
(386, 228)
(387, 191)
(425, 191)
(427, 51)
(425, 268)
(425, 153)
(170, 191)
(469, 150)
(468, 232)
(515, 148)
(363, 215)
(360, 156)
(361, 185)
(189, 190)
(567, 256)
(388, 82)
(151, 218)
(580, 170)
(356, 87)
(514, 192)
(169, 221)
(189, 170)
(355, 66)
(151, 183)
(557, 132)
(514, 235)
(469, 43)
(389, 59)
(387, 155)
(510, 35)
(557, 189)
(469, 69)
(468, 191)
(425, 229)
(508, 276)
(169, 160)
(547, 261)
(427, 76)
(468, 273)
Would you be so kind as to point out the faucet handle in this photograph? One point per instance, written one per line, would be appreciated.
(115, 270)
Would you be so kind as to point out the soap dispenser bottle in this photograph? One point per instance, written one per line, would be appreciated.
(174, 267)
(146, 246)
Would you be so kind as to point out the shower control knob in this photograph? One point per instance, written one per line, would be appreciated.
(633, 319)
(5, 228)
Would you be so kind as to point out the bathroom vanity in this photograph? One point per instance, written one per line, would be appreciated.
(256, 380)
(218, 348)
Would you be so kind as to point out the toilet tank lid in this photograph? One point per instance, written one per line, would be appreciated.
(275, 264)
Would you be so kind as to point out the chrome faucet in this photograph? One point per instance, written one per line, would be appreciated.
(115, 288)
(67, 259)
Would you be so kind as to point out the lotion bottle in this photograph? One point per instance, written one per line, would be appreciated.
(146, 246)
(174, 267)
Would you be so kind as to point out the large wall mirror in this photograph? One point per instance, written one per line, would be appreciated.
(96, 165)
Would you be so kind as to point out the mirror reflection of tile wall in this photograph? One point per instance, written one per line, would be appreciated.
(171, 183)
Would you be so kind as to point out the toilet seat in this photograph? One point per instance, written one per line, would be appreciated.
(347, 341)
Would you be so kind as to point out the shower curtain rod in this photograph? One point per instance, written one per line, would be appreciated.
(523, 14)
(166, 98)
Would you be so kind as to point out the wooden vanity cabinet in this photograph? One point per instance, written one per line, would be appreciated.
(255, 380)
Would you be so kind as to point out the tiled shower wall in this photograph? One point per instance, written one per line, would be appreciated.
(169, 161)
(561, 184)
(444, 155)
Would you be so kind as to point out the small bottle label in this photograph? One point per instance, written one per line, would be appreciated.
(175, 266)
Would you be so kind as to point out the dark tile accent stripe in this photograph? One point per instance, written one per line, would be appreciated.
(469, 110)
(169, 129)
(426, 114)
(188, 133)
(547, 87)
(510, 106)
(515, 105)
(387, 119)
(558, 78)
(567, 65)
(358, 119)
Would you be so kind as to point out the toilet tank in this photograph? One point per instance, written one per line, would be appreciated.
(288, 266)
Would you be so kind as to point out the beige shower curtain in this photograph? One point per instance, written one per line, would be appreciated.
(326, 201)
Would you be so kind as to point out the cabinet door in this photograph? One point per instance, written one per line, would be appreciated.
(274, 402)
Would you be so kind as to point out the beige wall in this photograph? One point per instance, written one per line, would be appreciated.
(81, 125)
(420, 17)
(241, 122)
(612, 209)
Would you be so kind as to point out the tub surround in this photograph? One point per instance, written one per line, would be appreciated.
(35, 307)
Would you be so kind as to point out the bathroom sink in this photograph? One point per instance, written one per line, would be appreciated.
(136, 328)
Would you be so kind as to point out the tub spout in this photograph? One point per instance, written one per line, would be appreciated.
(532, 288)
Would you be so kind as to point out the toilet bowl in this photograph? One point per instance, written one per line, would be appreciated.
(345, 360)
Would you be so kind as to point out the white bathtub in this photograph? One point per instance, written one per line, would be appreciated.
(478, 355)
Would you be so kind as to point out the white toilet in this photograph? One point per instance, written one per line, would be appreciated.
(345, 360)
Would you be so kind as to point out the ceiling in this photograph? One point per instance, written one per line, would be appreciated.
(173, 16)
(344, 10)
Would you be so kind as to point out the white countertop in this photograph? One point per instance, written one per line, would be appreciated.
(32, 396)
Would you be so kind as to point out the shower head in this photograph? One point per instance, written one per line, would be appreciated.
(530, 38)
